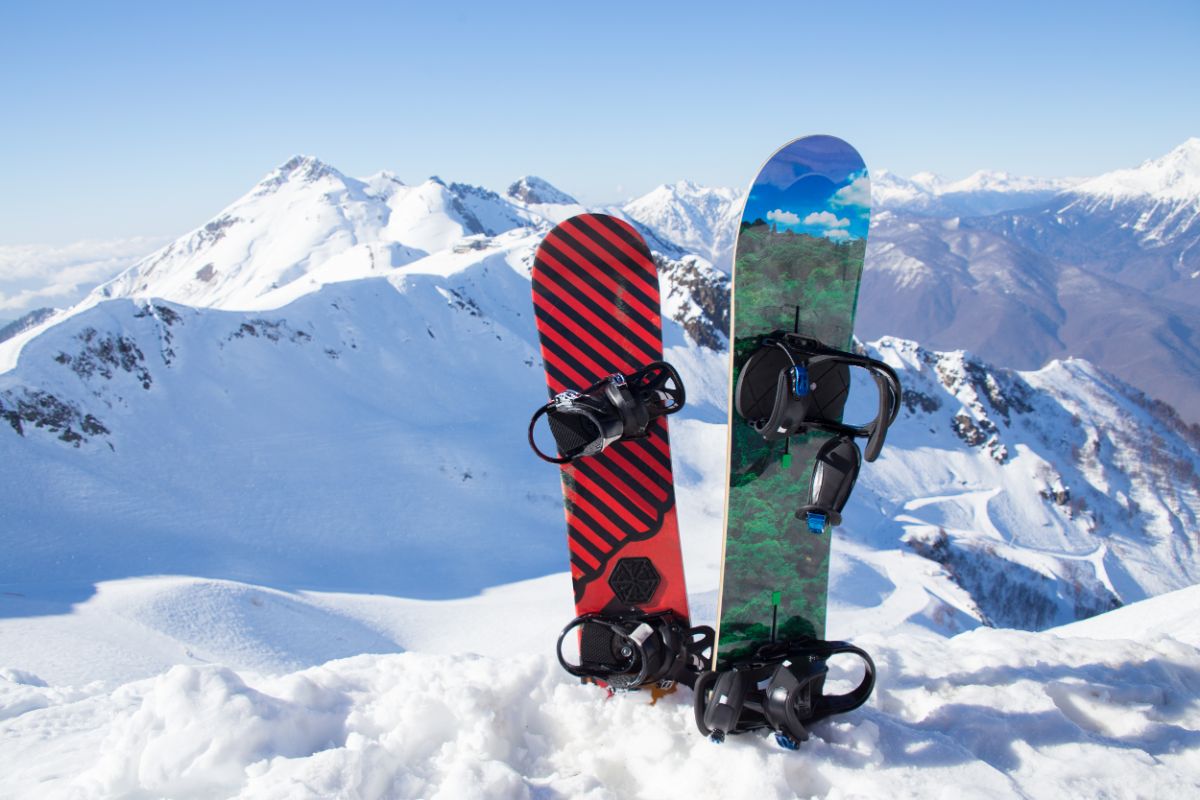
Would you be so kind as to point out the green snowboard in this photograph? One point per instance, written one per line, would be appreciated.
(797, 267)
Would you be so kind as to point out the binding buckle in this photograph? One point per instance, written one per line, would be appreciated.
(631, 651)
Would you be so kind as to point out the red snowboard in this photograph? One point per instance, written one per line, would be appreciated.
(596, 299)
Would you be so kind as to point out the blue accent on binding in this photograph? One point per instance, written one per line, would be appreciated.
(786, 742)
(799, 381)
(816, 522)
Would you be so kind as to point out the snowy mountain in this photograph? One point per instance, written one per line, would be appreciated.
(163, 371)
(695, 219)
(306, 225)
(1137, 226)
(537, 198)
(1046, 496)
(299, 415)
(26, 322)
(532, 190)
(309, 416)
(1018, 270)
(1175, 176)
(983, 192)
(1108, 270)
(972, 283)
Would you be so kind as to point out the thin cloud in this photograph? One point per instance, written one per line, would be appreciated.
(783, 217)
(825, 219)
(35, 275)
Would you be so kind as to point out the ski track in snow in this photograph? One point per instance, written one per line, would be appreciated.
(982, 523)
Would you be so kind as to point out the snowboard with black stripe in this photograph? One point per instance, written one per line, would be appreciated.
(596, 302)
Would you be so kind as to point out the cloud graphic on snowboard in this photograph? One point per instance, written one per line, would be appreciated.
(806, 191)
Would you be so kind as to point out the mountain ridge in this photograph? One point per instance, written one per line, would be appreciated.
(142, 387)
(268, 348)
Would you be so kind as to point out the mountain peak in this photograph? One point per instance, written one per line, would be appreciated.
(298, 169)
(536, 191)
(383, 184)
(927, 180)
(700, 220)
(686, 188)
(686, 191)
(384, 176)
(1174, 176)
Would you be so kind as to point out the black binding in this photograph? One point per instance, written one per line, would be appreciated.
(614, 408)
(637, 650)
(781, 687)
(792, 384)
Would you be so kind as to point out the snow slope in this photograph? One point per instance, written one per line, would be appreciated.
(284, 448)
(697, 219)
(373, 411)
(1046, 496)
(1174, 176)
(1102, 710)
(279, 448)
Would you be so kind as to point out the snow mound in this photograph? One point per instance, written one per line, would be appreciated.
(1003, 712)
(258, 628)
(1168, 615)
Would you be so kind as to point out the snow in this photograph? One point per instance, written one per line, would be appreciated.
(986, 180)
(274, 574)
(989, 713)
(201, 687)
(305, 226)
(982, 192)
(1172, 177)
(533, 190)
(697, 219)
(1168, 616)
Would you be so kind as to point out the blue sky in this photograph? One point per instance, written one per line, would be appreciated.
(123, 119)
